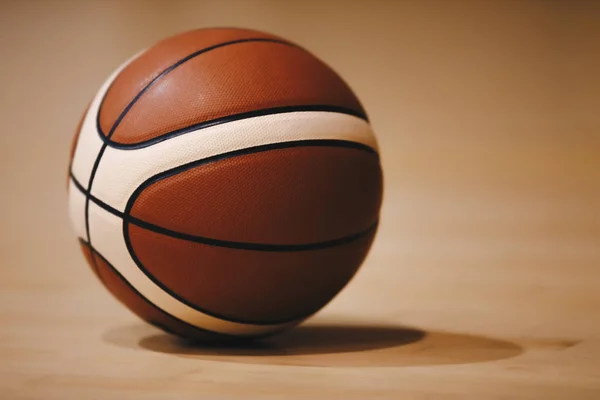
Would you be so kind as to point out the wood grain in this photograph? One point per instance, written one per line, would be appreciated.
(483, 280)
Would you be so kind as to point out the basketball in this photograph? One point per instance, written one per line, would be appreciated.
(225, 183)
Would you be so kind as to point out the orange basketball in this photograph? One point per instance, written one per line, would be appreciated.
(225, 183)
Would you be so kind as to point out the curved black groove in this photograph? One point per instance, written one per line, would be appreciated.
(232, 118)
(94, 252)
(171, 68)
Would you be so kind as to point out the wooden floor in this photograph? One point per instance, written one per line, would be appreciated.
(484, 281)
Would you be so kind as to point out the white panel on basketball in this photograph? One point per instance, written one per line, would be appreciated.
(106, 231)
(77, 210)
(121, 171)
(89, 141)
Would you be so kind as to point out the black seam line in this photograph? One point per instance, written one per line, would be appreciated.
(171, 68)
(128, 219)
(130, 286)
(90, 182)
(252, 246)
(232, 118)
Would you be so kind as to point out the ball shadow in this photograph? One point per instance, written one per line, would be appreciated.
(339, 345)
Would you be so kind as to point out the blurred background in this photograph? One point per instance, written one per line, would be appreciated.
(487, 117)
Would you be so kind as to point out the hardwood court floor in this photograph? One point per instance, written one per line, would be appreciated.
(484, 281)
